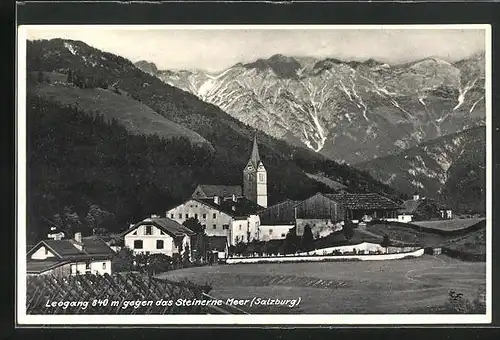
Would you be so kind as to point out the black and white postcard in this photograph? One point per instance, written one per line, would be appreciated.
(239, 174)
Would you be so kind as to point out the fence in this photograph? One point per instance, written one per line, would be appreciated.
(318, 258)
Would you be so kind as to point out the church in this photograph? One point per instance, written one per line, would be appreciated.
(229, 210)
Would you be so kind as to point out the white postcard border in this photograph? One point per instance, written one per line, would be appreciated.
(23, 319)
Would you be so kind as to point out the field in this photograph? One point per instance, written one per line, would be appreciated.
(449, 225)
(398, 286)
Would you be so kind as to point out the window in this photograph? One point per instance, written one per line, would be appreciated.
(261, 177)
(187, 216)
(214, 215)
(196, 216)
(149, 230)
(104, 265)
(138, 244)
(204, 226)
(87, 265)
(283, 235)
(215, 226)
(180, 215)
(205, 216)
(270, 231)
(46, 251)
(240, 226)
(171, 215)
(159, 244)
(225, 227)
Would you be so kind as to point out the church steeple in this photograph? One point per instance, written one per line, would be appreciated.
(255, 158)
(255, 177)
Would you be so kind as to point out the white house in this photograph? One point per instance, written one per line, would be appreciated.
(87, 255)
(233, 217)
(157, 235)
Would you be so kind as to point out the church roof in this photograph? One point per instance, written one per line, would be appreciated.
(241, 208)
(207, 190)
(255, 157)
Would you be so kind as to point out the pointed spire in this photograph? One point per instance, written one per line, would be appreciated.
(255, 158)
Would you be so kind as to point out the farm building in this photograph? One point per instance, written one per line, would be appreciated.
(157, 235)
(325, 213)
(218, 246)
(87, 255)
(366, 206)
(321, 213)
(422, 209)
(276, 220)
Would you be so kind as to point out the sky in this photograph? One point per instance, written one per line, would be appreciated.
(217, 49)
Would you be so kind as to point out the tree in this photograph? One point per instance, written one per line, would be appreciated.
(348, 230)
(200, 238)
(307, 241)
(186, 256)
(69, 79)
(386, 242)
(123, 261)
(159, 263)
(292, 240)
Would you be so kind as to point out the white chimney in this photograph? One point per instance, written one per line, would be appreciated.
(234, 208)
(57, 236)
(234, 198)
(216, 200)
(78, 237)
(154, 216)
(131, 225)
(416, 197)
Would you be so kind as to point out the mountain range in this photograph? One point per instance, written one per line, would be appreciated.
(349, 111)
(452, 168)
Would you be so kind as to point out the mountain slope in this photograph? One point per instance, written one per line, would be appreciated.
(451, 168)
(133, 115)
(370, 108)
(77, 160)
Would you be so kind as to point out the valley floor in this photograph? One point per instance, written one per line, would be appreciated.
(385, 287)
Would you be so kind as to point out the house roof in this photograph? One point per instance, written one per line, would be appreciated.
(210, 190)
(363, 201)
(165, 224)
(67, 249)
(217, 243)
(40, 266)
(241, 208)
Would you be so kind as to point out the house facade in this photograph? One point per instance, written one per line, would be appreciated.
(81, 255)
(157, 235)
(232, 217)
